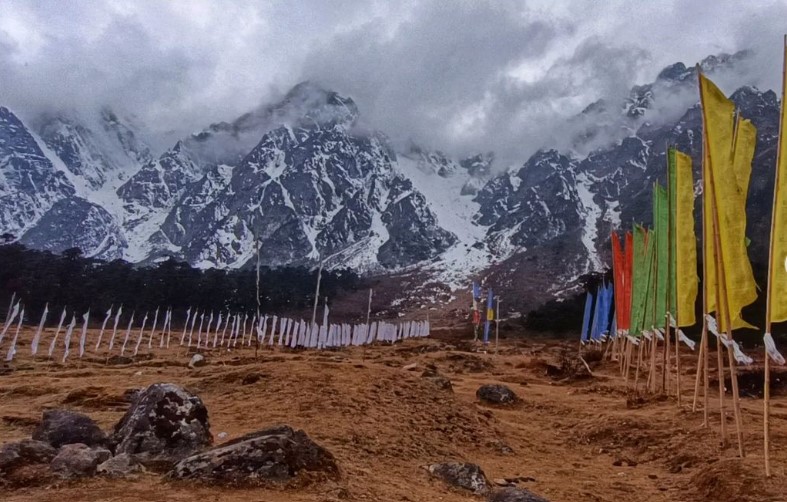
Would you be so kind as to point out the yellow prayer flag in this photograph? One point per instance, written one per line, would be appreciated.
(729, 155)
(778, 279)
(685, 241)
(490, 314)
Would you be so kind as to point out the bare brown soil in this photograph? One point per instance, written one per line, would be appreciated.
(572, 437)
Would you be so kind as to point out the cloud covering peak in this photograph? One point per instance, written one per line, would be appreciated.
(463, 76)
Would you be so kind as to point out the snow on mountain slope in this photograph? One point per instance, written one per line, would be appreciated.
(29, 183)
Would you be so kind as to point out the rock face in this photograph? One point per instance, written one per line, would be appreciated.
(23, 453)
(78, 460)
(466, 476)
(164, 424)
(276, 454)
(62, 427)
(515, 495)
(496, 394)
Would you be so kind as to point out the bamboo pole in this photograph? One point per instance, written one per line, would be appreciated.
(639, 362)
(628, 361)
(766, 405)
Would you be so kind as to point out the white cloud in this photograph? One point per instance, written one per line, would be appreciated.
(464, 76)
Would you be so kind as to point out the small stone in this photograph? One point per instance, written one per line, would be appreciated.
(120, 466)
(118, 360)
(502, 482)
(197, 360)
(410, 367)
(25, 452)
(515, 495)
(461, 475)
(496, 394)
(222, 435)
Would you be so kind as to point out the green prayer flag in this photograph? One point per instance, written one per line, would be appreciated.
(661, 228)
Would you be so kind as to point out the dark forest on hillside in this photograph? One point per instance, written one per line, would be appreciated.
(78, 283)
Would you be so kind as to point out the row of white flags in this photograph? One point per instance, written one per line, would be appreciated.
(200, 331)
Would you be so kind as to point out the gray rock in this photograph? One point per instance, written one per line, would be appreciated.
(496, 394)
(120, 466)
(461, 475)
(61, 427)
(25, 452)
(164, 424)
(276, 454)
(197, 360)
(515, 495)
(78, 460)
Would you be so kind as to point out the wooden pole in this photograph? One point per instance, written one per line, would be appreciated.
(639, 362)
(766, 405)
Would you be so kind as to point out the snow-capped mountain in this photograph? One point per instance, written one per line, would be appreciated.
(302, 181)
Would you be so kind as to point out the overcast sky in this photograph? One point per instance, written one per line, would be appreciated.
(463, 76)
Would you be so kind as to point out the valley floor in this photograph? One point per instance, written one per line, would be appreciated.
(567, 440)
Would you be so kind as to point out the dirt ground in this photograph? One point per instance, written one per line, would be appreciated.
(568, 439)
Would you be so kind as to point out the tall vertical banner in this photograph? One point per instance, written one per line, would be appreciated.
(661, 278)
(639, 281)
(730, 148)
(685, 279)
(628, 255)
(619, 278)
(490, 315)
(586, 317)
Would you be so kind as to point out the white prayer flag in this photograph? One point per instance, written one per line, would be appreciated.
(9, 321)
(115, 328)
(57, 332)
(152, 330)
(69, 331)
(12, 348)
(185, 326)
(83, 337)
(128, 332)
(770, 347)
(37, 337)
(141, 333)
(103, 326)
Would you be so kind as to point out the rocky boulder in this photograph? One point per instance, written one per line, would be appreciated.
(515, 495)
(496, 394)
(277, 454)
(62, 427)
(461, 475)
(164, 424)
(23, 453)
(78, 460)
